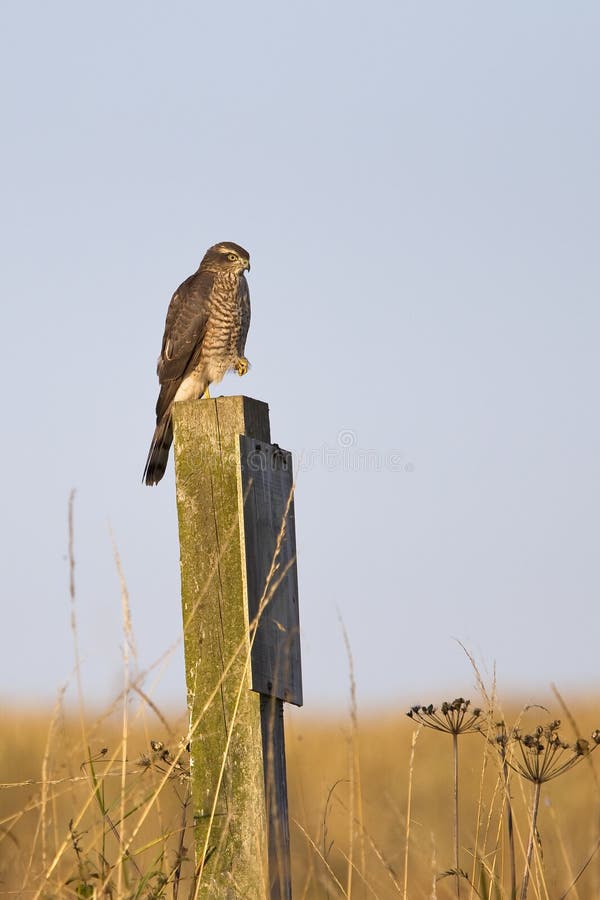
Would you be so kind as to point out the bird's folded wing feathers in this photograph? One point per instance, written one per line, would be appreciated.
(245, 309)
(185, 327)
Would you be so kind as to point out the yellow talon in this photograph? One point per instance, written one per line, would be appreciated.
(206, 394)
(241, 365)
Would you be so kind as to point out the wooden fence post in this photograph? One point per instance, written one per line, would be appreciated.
(242, 646)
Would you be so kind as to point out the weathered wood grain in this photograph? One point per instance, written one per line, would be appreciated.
(267, 484)
(240, 806)
(222, 708)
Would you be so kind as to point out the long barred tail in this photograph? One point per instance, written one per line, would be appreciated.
(159, 450)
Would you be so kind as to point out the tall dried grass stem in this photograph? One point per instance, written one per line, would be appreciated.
(411, 769)
(537, 787)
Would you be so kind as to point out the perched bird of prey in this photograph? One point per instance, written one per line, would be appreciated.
(205, 336)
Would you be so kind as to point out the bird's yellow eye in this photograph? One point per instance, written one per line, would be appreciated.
(232, 257)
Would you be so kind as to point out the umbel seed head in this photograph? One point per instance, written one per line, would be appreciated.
(453, 717)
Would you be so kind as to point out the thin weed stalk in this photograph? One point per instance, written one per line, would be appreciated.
(581, 871)
(455, 810)
(127, 646)
(72, 597)
(328, 845)
(453, 718)
(323, 859)
(355, 776)
(510, 829)
(568, 867)
(535, 806)
(501, 743)
(411, 768)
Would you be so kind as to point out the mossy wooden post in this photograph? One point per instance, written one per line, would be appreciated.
(237, 569)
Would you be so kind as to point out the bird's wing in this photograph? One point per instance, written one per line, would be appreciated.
(244, 301)
(185, 327)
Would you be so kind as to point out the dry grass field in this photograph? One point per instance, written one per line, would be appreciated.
(64, 808)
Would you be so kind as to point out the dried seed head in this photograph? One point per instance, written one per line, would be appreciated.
(544, 755)
(453, 717)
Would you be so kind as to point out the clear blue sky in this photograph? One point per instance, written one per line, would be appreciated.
(418, 186)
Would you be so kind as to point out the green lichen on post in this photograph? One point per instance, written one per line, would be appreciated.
(216, 646)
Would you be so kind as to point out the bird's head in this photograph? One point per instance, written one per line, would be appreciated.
(227, 256)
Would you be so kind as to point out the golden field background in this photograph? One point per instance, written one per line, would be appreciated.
(348, 782)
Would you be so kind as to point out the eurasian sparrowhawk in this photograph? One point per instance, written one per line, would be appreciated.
(205, 336)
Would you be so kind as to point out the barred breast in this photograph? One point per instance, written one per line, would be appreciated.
(224, 339)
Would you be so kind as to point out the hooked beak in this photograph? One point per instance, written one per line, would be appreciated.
(247, 266)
